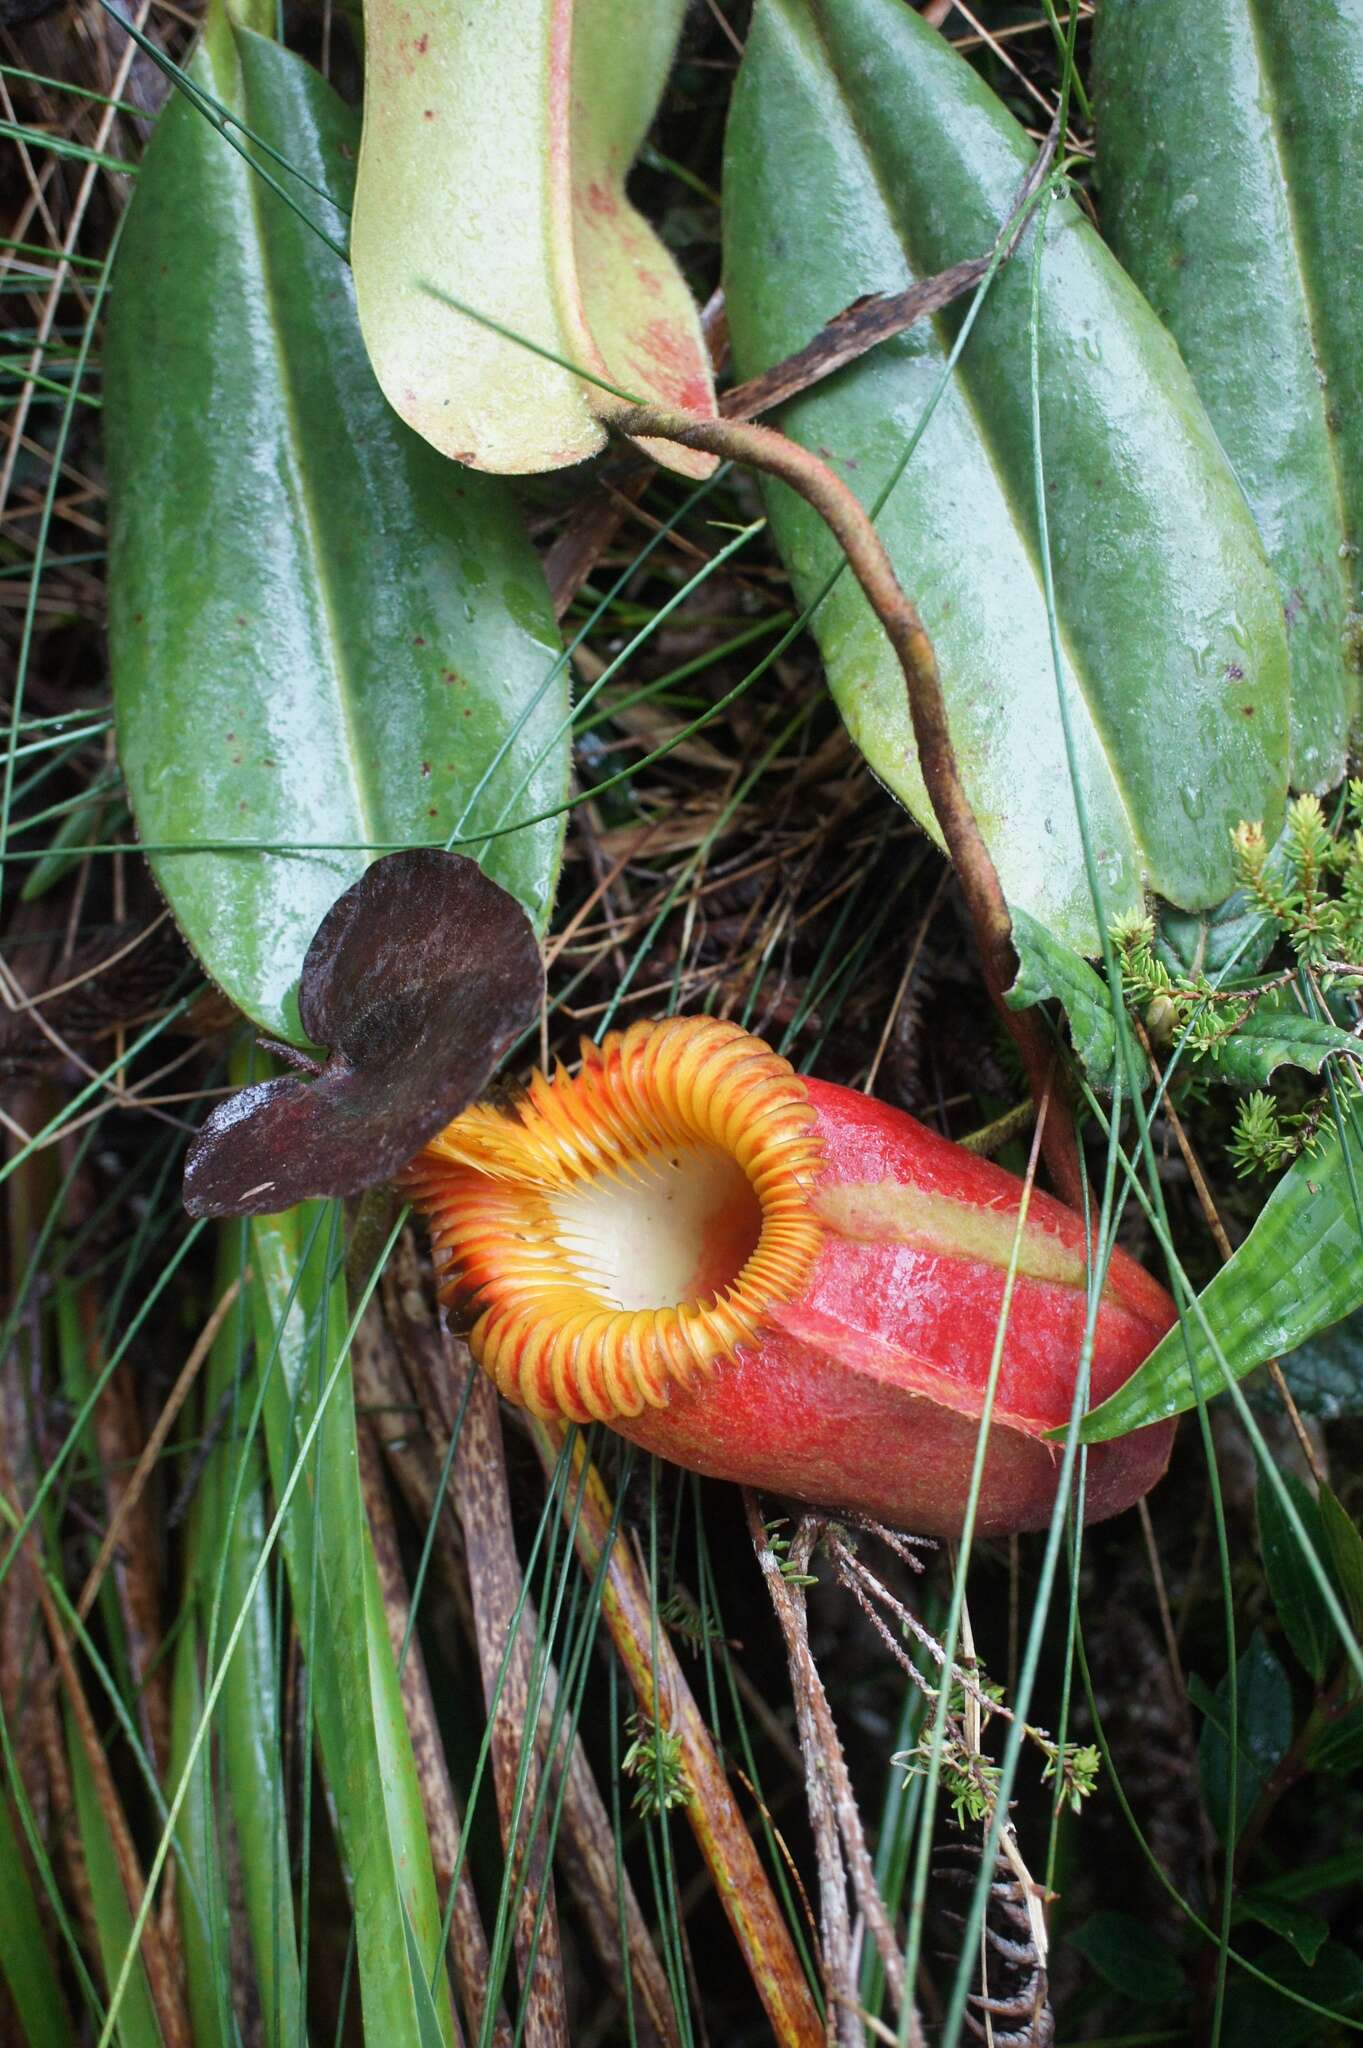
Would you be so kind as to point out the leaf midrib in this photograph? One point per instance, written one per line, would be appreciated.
(962, 385)
(258, 255)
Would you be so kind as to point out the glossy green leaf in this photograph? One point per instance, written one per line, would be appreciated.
(1232, 186)
(1263, 1727)
(1049, 971)
(1130, 1956)
(1306, 1931)
(497, 141)
(301, 1318)
(1255, 2015)
(1326, 1375)
(1298, 1271)
(1272, 1036)
(1297, 1598)
(864, 153)
(1235, 936)
(1338, 1749)
(321, 633)
(1314, 1879)
(1345, 1547)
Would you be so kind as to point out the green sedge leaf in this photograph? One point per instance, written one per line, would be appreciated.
(301, 1315)
(25, 1961)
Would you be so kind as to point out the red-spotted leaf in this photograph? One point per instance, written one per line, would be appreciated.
(419, 980)
(490, 211)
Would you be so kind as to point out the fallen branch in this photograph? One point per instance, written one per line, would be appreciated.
(666, 1701)
(584, 1845)
(859, 328)
(505, 1650)
(879, 316)
(828, 1786)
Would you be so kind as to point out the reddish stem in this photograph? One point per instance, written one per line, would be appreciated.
(851, 526)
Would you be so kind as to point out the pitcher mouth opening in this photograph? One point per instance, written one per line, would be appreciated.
(630, 1225)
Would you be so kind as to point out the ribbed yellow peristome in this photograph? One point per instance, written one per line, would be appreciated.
(548, 1339)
